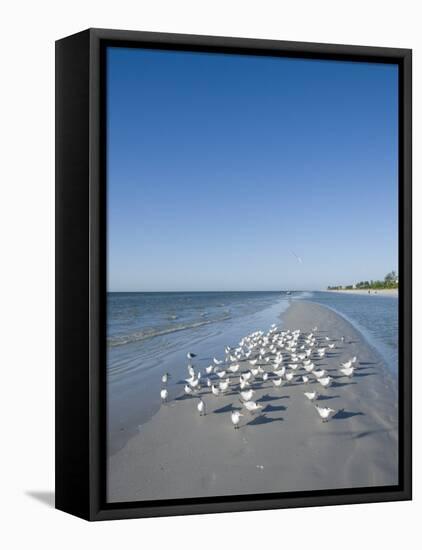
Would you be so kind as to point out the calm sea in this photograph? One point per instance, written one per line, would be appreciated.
(150, 333)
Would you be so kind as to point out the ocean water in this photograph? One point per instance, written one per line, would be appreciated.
(374, 315)
(150, 333)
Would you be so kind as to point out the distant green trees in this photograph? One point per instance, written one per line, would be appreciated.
(391, 280)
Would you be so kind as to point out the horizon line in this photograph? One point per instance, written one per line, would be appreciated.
(226, 290)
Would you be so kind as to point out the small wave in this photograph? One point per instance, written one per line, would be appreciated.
(153, 333)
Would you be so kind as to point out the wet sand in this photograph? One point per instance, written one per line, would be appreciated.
(179, 454)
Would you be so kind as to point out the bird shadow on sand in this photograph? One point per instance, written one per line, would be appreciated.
(260, 386)
(327, 397)
(273, 408)
(184, 397)
(268, 397)
(227, 408)
(363, 374)
(343, 414)
(367, 363)
(369, 367)
(263, 419)
(342, 384)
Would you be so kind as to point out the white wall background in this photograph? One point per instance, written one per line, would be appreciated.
(27, 269)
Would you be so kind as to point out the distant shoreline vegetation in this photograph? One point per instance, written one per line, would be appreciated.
(391, 280)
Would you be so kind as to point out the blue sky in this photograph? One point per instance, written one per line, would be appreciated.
(222, 168)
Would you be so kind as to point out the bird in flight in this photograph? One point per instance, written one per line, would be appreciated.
(298, 258)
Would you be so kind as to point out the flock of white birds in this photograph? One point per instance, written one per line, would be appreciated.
(281, 356)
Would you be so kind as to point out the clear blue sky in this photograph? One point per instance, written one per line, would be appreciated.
(222, 167)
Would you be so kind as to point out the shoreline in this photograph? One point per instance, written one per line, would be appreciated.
(368, 292)
(178, 454)
(134, 397)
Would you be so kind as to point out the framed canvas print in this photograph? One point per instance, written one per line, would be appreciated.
(233, 274)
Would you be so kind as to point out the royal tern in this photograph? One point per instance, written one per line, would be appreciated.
(324, 412)
(311, 395)
(235, 417)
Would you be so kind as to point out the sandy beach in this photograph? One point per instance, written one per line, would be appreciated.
(376, 292)
(179, 454)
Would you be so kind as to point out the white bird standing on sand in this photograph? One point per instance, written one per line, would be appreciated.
(188, 390)
(194, 383)
(278, 382)
(235, 416)
(215, 391)
(331, 346)
(251, 406)
(324, 412)
(325, 382)
(164, 394)
(234, 368)
(311, 395)
(265, 376)
(347, 371)
(305, 379)
(309, 368)
(294, 366)
(247, 395)
(209, 369)
(201, 407)
(243, 383)
(347, 364)
(319, 373)
(165, 378)
(191, 355)
(221, 374)
(217, 362)
(224, 385)
(280, 372)
(290, 376)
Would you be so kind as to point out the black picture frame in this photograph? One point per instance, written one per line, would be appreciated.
(81, 275)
